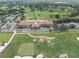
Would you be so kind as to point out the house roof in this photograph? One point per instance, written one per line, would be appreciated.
(24, 22)
(34, 23)
(18, 19)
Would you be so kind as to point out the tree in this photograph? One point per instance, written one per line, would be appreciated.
(57, 16)
(2, 15)
(55, 26)
(50, 30)
(21, 13)
(72, 26)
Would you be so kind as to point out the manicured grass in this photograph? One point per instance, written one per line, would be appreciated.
(26, 49)
(30, 14)
(5, 36)
(45, 14)
(12, 49)
(65, 42)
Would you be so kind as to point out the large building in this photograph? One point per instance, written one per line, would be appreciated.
(33, 23)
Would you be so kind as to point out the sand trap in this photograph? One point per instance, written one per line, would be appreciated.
(64, 55)
(40, 56)
(77, 38)
(49, 41)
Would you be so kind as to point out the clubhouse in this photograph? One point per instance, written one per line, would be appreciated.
(32, 23)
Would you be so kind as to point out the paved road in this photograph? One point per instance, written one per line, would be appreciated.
(42, 29)
(75, 23)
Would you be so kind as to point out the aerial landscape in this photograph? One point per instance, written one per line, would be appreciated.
(39, 28)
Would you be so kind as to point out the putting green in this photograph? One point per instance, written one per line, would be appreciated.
(26, 49)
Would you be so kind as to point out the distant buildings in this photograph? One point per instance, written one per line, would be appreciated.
(33, 23)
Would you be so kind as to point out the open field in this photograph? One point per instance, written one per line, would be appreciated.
(65, 42)
(4, 37)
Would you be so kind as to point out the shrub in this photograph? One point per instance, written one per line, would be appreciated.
(57, 16)
(50, 30)
(55, 26)
(66, 20)
(72, 26)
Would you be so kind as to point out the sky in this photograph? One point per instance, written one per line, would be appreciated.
(11, 0)
(47, 0)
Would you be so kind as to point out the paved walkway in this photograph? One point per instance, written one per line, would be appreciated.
(37, 36)
(6, 44)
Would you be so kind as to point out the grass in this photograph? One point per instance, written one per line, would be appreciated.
(12, 49)
(30, 14)
(45, 14)
(26, 49)
(4, 37)
(65, 42)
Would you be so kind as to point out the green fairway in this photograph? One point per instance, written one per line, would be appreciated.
(45, 14)
(65, 42)
(4, 37)
(12, 49)
(30, 14)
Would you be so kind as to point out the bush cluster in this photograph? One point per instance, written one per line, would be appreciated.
(66, 20)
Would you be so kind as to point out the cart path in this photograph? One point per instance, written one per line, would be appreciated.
(6, 44)
(37, 36)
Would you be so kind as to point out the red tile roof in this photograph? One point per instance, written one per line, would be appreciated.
(34, 23)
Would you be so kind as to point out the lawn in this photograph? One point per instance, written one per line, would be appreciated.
(30, 14)
(5, 36)
(12, 49)
(45, 14)
(26, 49)
(65, 42)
